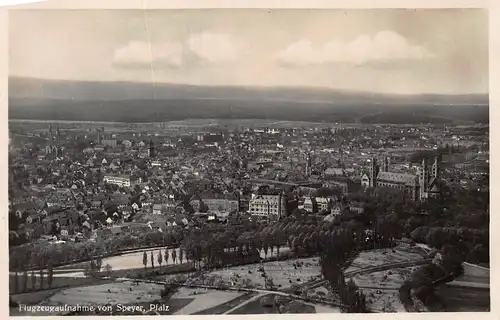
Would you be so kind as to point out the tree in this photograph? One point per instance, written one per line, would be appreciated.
(269, 284)
(203, 207)
(108, 269)
(174, 255)
(145, 260)
(25, 281)
(50, 274)
(16, 283)
(266, 248)
(452, 260)
(353, 299)
(420, 233)
(166, 256)
(41, 279)
(160, 258)
(33, 280)
(436, 237)
(168, 290)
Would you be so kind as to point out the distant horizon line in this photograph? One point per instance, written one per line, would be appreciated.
(326, 123)
(263, 87)
(435, 104)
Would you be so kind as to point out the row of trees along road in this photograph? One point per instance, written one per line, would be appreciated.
(26, 281)
(161, 258)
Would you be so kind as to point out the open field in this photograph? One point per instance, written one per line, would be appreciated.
(381, 287)
(384, 280)
(203, 299)
(257, 306)
(226, 306)
(283, 273)
(385, 256)
(383, 300)
(109, 293)
(57, 282)
(91, 292)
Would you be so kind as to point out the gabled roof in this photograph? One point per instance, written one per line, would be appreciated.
(334, 171)
(394, 177)
(434, 185)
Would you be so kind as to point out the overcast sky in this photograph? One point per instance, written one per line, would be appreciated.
(393, 51)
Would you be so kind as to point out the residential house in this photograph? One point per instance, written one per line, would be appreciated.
(127, 143)
(310, 204)
(337, 208)
(164, 207)
(332, 172)
(317, 204)
(323, 204)
(225, 203)
(357, 207)
(122, 180)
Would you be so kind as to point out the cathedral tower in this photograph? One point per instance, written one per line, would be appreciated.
(436, 168)
(308, 164)
(373, 173)
(424, 179)
(151, 150)
(386, 164)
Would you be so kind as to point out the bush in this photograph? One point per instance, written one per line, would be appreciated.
(423, 292)
(108, 269)
(266, 302)
(168, 290)
(405, 294)
(221, 285)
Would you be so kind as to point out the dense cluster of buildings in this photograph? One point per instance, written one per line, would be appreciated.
(84, 180)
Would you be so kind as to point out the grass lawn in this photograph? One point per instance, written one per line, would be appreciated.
(31, 298)
(34, 297)
(255, 307)
(384, 256)
(57, 282)
(178, 303)
(221, 308)
(283, 273)
(139, 272)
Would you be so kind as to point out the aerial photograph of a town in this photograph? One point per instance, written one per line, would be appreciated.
(248, 161)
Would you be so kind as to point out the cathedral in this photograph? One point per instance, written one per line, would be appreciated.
(422, 186)
(53, 148)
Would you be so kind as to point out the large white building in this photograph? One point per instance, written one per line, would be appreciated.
(268, 205)
(121, 181)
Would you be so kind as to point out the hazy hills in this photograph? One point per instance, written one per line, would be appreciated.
(143, 102)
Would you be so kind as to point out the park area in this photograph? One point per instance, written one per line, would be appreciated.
(75, 288)
(380, 274)
(399, 254)
(235, 290)
(284, 274)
